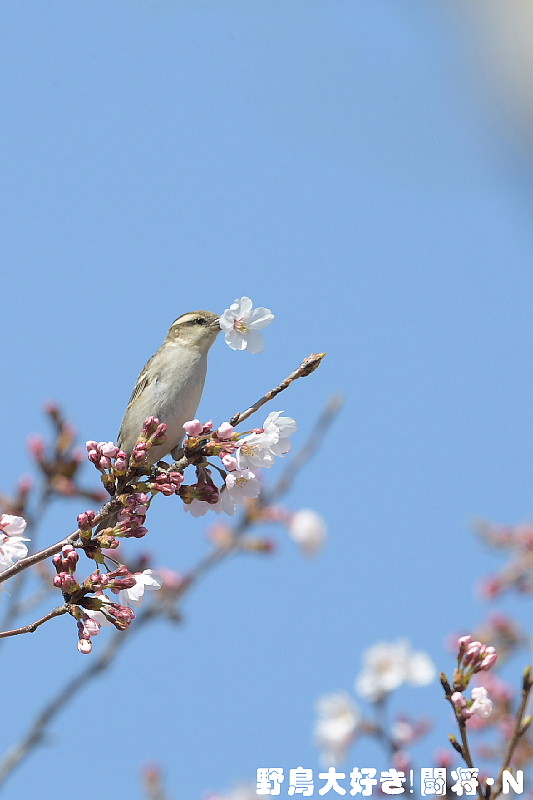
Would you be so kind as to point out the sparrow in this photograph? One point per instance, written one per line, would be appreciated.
(170, 385)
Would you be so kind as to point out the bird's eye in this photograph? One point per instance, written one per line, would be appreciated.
(200, 321)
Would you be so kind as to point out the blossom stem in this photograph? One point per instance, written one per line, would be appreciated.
(307, 366)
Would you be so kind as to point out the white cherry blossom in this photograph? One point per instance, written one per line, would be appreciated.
(308, 529)
(260, 448)
(12, 547)
(280, 428)
(255, 451)
(242, 483)
(242, 323)
(336, 726)
(198, 508)
(147, 580)
(12, 526)
(482, 705)
(388, 665)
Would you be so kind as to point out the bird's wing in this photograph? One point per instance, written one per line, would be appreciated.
(142, 382)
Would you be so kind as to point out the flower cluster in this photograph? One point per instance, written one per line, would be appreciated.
(480, 703)
(12, 547)
(65, 563)
(387, 665)
(92, 607)
(473, 657)
(114, 463)
(60, 461)
(241, 455)
(131, 519)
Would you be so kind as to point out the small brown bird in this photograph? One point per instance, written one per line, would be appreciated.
(171, 384)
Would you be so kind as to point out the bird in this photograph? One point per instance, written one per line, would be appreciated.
(171, 384)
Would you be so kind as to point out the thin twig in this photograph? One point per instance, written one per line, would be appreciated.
(38, 726)
(465, 747)
(307, 366)
(36, 731)
(527, 685)
(32, 627)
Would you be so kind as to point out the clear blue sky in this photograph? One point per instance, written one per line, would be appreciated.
(333, 162)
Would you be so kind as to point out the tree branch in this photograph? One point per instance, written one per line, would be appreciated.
(519, 730)
(32, 627)
(38, 726)
(307, 366)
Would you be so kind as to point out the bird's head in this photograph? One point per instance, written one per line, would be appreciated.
(195, 329)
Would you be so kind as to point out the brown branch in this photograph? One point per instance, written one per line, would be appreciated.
(35, 558)
(107, 509)
(464, 748)
(36, 731)
(307, 366)
(38, 726)
(32, 627)
(519, 730)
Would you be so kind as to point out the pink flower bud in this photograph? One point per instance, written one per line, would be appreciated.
(230, 463)
(70, 583)
(51, 408)
(91, 627)
(85, 646)
(160, 431)
(108, 449)
(105, 462)
(26, 484)
(150, 426)
(91, 445)
(472, 652)
(458, 700)
(193, 428)
(225, 431)
(488, 657)
(36, 447)
(176, 478)
(86, 519)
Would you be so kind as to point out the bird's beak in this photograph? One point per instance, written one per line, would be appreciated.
(216, 323)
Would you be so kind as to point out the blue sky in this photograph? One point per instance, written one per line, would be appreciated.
(333, 162)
